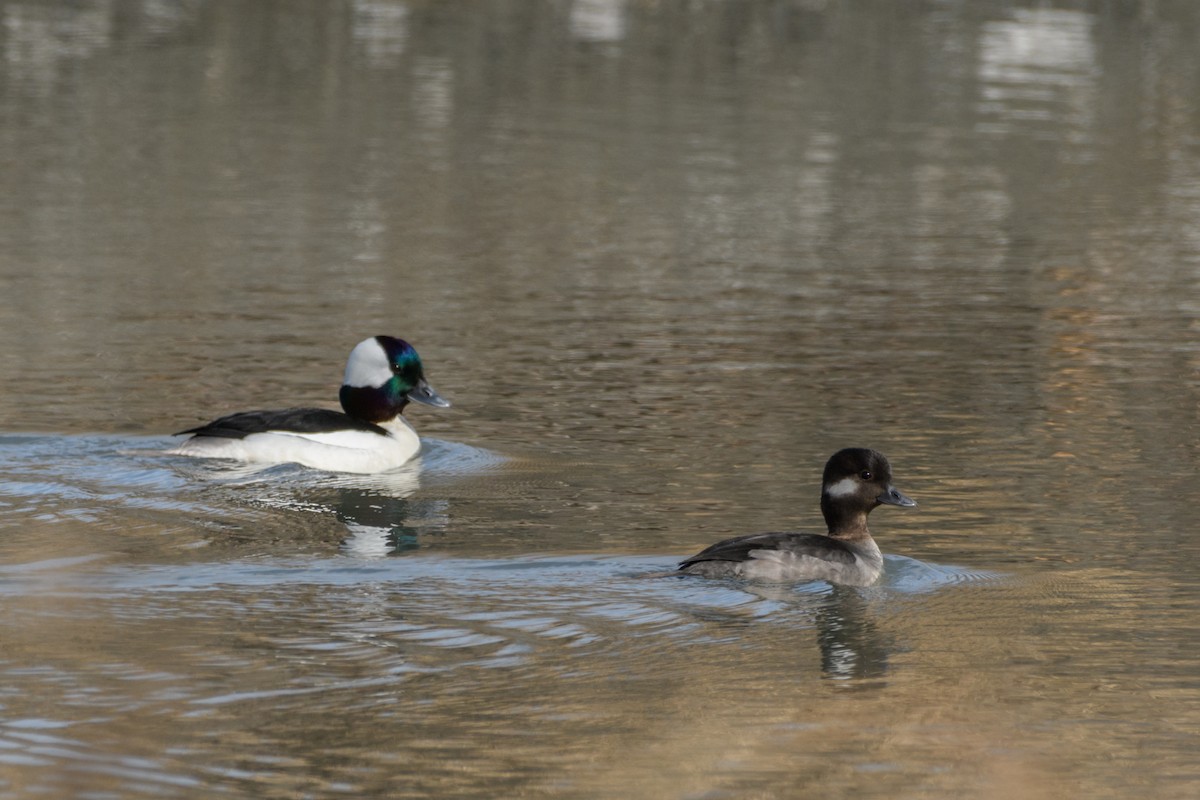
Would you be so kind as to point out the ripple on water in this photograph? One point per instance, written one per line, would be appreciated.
(559, 596)
(129, 487)
(222, 641)
(909, 576)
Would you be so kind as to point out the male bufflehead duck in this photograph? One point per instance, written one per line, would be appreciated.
(856, 480)
(382, 374)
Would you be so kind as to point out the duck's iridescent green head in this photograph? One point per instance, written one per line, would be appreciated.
(383, 374)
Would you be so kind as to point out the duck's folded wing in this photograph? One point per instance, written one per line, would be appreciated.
(741, 548)
(291, 420)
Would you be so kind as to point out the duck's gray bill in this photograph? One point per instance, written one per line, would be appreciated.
(895, 497)
(424, 393)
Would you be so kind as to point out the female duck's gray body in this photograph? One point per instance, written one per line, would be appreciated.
(856, 480)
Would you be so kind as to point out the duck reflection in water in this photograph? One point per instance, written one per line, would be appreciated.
(383, 526)
(852, 646)
(380, 514)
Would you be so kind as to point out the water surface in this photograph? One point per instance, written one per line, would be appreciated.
(664, 259)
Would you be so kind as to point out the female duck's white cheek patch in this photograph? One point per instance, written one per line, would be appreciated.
(846, 486)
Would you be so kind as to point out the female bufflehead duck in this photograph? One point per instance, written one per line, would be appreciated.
(382, 374)
(856, 480)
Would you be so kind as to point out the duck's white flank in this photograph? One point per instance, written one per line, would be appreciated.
(336, 451)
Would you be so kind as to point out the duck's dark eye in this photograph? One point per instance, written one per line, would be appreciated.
(865, 475)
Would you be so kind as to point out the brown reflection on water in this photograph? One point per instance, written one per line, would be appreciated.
(665, 258)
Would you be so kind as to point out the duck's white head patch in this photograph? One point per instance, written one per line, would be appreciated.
(368, 365)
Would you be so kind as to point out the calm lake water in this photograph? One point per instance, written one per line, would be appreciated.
(664, 258)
